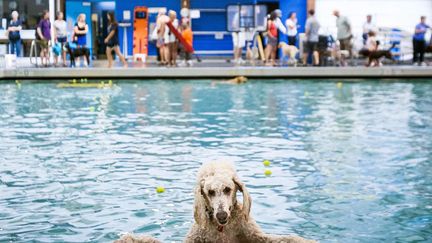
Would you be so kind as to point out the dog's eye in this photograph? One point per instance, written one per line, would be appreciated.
(211, 193)
(227, 190)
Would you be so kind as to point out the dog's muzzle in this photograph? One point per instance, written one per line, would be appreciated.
(222, 217)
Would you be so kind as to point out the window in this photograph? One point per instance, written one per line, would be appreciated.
(29, 11)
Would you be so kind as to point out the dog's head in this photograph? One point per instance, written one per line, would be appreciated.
(218, 198)
(282, 44)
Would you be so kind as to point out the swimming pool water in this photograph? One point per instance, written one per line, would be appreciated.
(350, 163)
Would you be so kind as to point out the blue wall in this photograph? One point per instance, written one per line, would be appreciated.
(209, 21)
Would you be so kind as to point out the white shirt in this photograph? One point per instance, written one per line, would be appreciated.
(60, 28)
(170, 37)
(369, 27)
(291, 27)
(371, 43)
(280, 26)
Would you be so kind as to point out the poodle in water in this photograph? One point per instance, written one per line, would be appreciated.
(219, 217)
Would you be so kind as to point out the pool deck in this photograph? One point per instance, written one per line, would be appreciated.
(213, 69)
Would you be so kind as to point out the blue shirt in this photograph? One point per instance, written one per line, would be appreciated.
(420, 35)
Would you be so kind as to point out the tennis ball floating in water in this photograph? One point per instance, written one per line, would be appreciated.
(267, 172)
(339, 85)
(160, 189)
(266, 163)
(92, 109)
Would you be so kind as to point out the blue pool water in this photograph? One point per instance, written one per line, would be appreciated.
(350, 163)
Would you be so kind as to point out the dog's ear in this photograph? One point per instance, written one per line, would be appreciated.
(200, 203)
(247, 201)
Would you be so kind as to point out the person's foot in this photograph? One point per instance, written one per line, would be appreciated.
(415, 64)
(423, 64)
(190, 63)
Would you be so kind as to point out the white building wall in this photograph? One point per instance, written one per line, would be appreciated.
(402, 14)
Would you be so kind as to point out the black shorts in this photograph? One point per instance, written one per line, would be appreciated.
(311, 46)
(112, 44)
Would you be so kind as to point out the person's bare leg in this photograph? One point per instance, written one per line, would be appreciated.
(304, 58)
(174, 53)
(64, 58)
(235, 53)
(273, 55)
(167, 54)
(316, 58)
(120, 55)
(109, 56)
(267, 53)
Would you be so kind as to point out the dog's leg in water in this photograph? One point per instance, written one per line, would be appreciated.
(286, 239)
(130, 238)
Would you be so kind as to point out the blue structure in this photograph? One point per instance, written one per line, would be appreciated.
(210, 36)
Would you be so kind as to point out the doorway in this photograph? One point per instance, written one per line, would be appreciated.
(100, 26)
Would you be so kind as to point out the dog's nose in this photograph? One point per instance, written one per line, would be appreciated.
(221, 216)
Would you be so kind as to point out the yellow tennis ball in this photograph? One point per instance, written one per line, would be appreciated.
(306, 94)
(339, 85)
(92, 109)
(266, 163)
(160, 189)
(267, 172)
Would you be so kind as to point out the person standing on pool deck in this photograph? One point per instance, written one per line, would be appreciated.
(419, 42)
(344, 34)
(112, 41)
(291, 25)
(44, 35)
(80, 34)
(312, 37)
(368, 26)
(272, 39)
(60, 34)
(171, 39)
(14, 36)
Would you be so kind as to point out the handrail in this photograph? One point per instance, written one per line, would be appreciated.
(35, 54)
(33, 50)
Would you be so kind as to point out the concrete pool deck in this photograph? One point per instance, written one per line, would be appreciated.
(213, 69)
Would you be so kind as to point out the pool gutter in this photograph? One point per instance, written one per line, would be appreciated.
(218, 72)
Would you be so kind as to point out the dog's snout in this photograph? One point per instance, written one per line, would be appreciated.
(222, 216)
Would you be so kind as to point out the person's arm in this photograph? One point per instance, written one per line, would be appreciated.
(290, 24)
(307, 28)
(39, 31)
(55, 33)
(110, 35)
(81, 32)
(280, 26)
(19, 27)
(418, 30)
(348, 24)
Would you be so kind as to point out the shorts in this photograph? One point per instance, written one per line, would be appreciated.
(345, 44)
(112, 44)
(43, 44)
(310, 46)
(61, 40)
(81, 40)
(160, 42)
(239, 39)
(271, 41)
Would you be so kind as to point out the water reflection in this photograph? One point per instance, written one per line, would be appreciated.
(350, 163)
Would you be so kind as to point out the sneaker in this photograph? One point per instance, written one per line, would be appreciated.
(78, 63)
(415, 64)
(190, 63)
(241, 61)
(423, 64)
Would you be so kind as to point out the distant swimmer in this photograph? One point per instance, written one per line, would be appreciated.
(236, 80)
